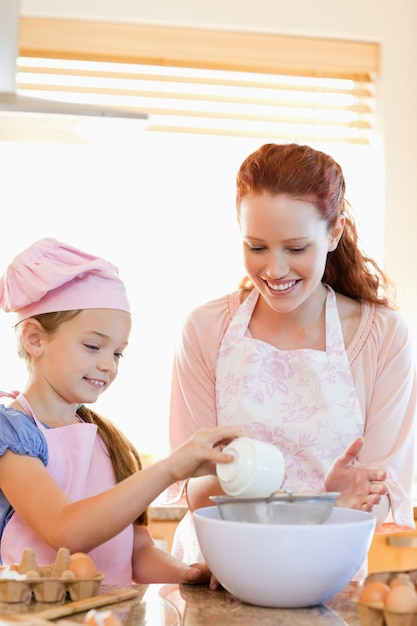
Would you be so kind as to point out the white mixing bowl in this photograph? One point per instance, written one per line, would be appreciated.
(286, 566)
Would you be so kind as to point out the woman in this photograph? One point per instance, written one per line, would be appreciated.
(308, 353)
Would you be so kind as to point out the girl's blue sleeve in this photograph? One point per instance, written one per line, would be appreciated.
(18, 433)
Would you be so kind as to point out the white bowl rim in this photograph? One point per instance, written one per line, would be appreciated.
(212, 515)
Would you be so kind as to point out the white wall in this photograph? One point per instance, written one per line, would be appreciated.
(392, 24)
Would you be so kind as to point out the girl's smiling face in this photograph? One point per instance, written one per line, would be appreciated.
(285, 246)
(81, 358)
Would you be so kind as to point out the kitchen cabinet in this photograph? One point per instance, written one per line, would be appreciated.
(163, 532)
(163, 521)
(393, 552)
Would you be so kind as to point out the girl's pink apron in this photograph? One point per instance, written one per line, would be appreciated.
(303, 401)
(79, 462)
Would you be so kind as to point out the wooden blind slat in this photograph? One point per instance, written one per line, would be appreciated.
(188, 47)
(360, 89)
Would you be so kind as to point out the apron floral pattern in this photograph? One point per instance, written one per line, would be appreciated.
(304, 401)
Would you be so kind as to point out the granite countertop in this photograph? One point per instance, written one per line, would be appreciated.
(188, 605)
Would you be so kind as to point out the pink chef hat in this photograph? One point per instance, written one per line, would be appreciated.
(52, 276)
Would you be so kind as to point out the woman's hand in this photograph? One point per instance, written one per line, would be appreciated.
(360, 488)
(199, 455)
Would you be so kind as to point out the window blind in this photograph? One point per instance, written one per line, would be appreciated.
(190, 81)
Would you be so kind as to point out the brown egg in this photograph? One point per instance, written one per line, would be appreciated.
(401, 599)
(10, 567)
(374, 593)
(82, 566)
(77, 555)
(401, 579)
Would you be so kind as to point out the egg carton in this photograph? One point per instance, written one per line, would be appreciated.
(373, 616)
(48, 583)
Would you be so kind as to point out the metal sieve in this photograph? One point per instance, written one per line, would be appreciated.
(282, 507)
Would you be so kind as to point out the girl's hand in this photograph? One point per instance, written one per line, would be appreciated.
(360, 488)
(197, 574)
(199, 454)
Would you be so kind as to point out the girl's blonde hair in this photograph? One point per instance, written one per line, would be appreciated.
(124, 457)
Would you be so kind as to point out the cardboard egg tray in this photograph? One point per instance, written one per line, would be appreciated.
(372, 616)
(48, 583)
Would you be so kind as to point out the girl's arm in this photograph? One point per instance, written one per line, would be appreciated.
(85, 524)
(151, 564)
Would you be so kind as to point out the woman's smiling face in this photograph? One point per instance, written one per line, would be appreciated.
(285, 246)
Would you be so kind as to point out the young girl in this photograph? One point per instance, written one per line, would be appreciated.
(308, 354)
(68, 477)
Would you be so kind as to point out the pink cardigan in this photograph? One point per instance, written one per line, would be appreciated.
(381, 359)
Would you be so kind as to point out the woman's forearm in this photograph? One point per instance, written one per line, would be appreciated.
(199, 489)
